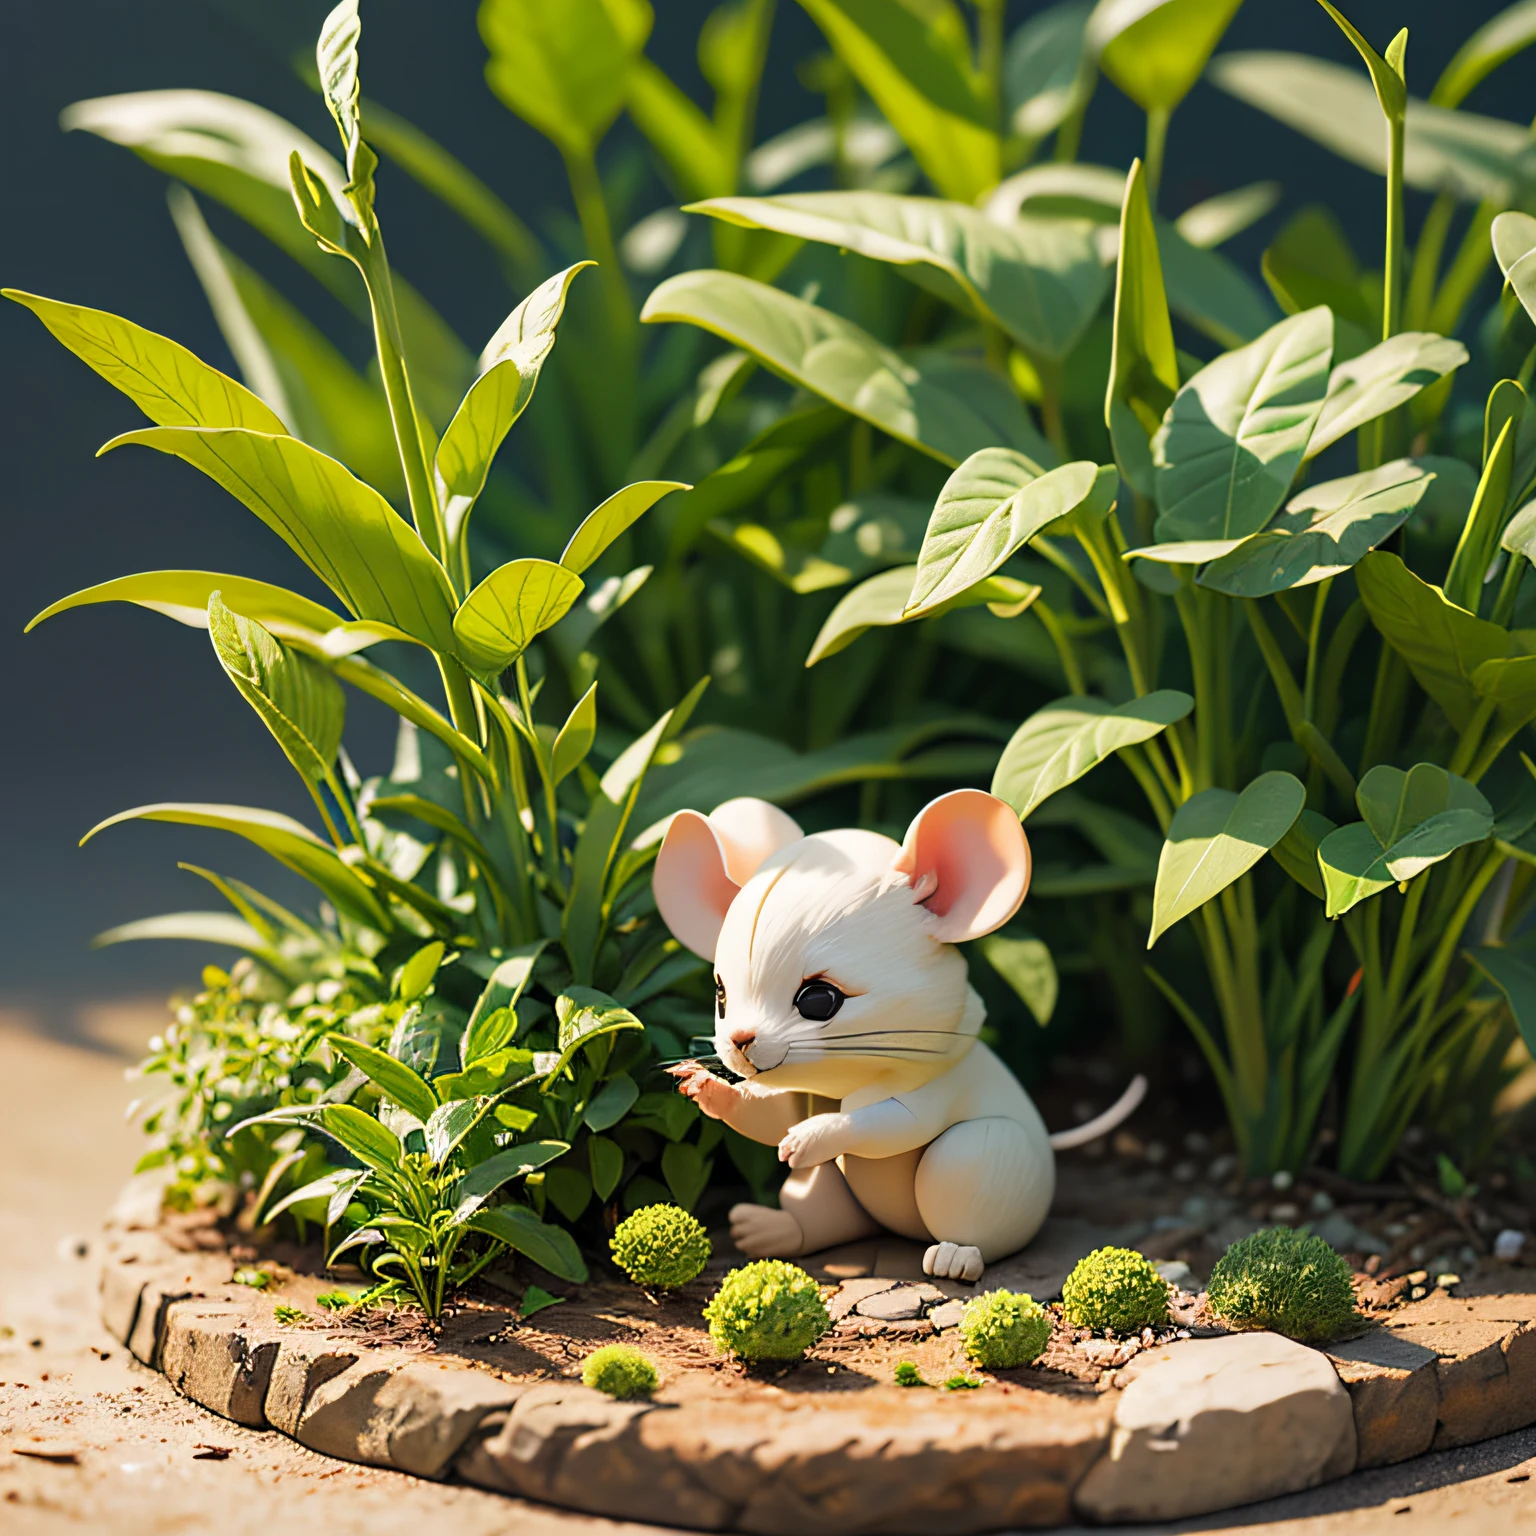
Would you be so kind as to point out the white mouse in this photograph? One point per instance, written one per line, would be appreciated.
(837, 979)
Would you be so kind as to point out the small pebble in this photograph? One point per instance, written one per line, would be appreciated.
(1128, 1145)
(1184, 1172)
(1281, 1180)
(1222, 1168)
(1286, 1211)
(1447, 1280)
(1418, 1277)
(1196, 1143)
(1321, 1203)
(1509, 1245)
(1156, 1152)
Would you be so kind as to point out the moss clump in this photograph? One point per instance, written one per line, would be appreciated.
(908, 1375)
(1004, 1328)
(619, 1371)
(1115, 1290)
(661, 1246)
(1286, 1281)
(769, 1310)
(961, 1384)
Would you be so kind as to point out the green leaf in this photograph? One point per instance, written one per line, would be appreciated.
(440, 819)
(621, 510)
(912, 57)
(1215, 220)
(449, 1124)
(1510, 32)
(171, 385)
(290, 842)
(834, 358)
(369, 556)
(516, 602)
(490, 1074)
(1235, 434)
(569, 1190)
(1044, 77)
(1296, 852)
(362, 1135)
(882, 601)
(696, 153)
(1380, 380)
(605, 1160)
(1514, 246)
(1215, 838)
(576, 736)
(184, 595)
(564, 68)
(506, 985)
(1144, 368)
(1039, 280)
(1154, 50)
(1410, 821)
(1483, 530)
(535, 1299)
(298, 700)
(1060, 743)
(396, 1081)
(686, 1171)
(417, 974)
(1442, 643)
(1214, 294)
(1026, 965)
(195, 927)
(1470, 157)
(509, 371)
(1514, 975)
(1323, 531)
(610, 1104)
(990, 507)
(497, 1171)
(1387, 78)
(549, 1247)
(336, 60)
(585, 1015)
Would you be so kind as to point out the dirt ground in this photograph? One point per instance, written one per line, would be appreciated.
(91, 1441)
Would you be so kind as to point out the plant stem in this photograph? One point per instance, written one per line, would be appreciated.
(1426, 260)
(989, 51)
(597, 232)
(1152, 161)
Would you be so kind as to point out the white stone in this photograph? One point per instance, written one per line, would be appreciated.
(1176, 1272)
(1209, 1423)
(1509, 1244)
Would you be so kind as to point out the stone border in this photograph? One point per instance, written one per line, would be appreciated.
(1191, 1427)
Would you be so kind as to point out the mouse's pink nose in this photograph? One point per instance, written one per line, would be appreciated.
(743, 1038)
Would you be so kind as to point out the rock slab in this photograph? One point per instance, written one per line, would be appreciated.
(1394, 1392)
(1209, 1423)
(210, 1356)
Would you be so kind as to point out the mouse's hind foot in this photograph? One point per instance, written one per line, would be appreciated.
(953, 1261)
(761, 1232)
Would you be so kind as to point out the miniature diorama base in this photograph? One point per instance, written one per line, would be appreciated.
(1180, 1423)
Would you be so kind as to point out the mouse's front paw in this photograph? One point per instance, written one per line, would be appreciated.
(810, 1142)
(953, 1261)
(714, 1096)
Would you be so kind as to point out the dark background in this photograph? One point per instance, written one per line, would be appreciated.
(113, 707)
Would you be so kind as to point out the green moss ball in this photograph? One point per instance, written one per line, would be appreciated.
(769, 1310)
(1004, 1328)
(661, 1246)
(1286, 1281)
(619, 1371)
(1115, 1290)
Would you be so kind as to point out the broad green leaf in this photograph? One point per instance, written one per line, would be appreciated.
(509, 371)
(569, 1190)
(1323, 531)
(584, 1015)
(1514, 974)
(343, 1181)
(605, 1161)
(913, 58)
(1409, 821)
(417, 973)
(866, 142)
(881, 601)
(1026, 965)
(834, 358)
(298, 700)
(1442, 644)
(1040, 280)
(171, 385)
(549, 1247)
(686, 1171)
(396, 1081)
(450, 1123)
(516, 602)
(1380, 380)
(184, 595)
(1296, 852)
(506, 985)
(288, 841)
(864, 535)
(484, 1179)
(1510, 32)
(1056, 191)
(1144, 368)
(990, 507)
(1044, 75)
(1215, 838)
(368, 555)
(611, 1103)
(576, 736)
(564, 68)
(1218, 219)
(1057, 745)
(601, 527)
(1236, 432)
(336, 61)
(439, 818)
(493, 1073)
(360, 1134)
(1470, 157)
(1514, 245)
(1311, 262)
(1154, 50)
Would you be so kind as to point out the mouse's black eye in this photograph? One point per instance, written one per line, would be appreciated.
(719, 998)
(818, 1000)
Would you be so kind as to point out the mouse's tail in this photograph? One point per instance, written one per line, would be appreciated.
(1122, 1109)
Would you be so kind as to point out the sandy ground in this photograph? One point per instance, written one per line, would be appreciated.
(115, 1450)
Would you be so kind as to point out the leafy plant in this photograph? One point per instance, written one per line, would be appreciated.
(1115, 1290)
(619, 1371)
(767, 1310)
(1285, 1281)
(1001, 1329)
(907, 1375)
(660, 1245)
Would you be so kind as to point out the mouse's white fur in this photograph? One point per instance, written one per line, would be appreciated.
(926, 1133)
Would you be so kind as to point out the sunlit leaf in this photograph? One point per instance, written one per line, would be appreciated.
(576, 736)
(1514, 244)
(1026, 965)
(621, 510)
(497, 1171)
(396, 1081)
(516, 602)
(183, 596)
(1044, 78)
(1380, 380)
(1154, 50)
(1218, 219)
(548, 1246)
(1498, 40)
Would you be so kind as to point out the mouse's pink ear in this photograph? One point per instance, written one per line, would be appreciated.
(968, 860)
(705, 860)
